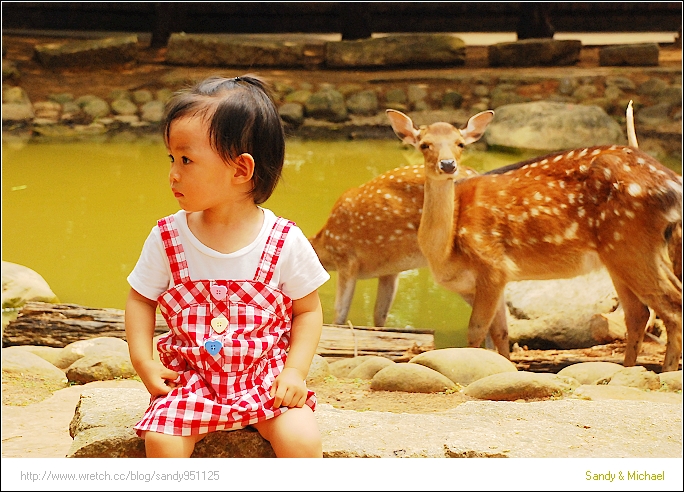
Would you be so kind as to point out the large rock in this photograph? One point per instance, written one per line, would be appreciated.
(101, 367)
(512, 386)
(370, 367)
(645, 54)
(24, 363)
(103, 427)
(342, 367)
(91, 346)
(464, 365)
(590, 372)
(411, 378)
(231, 50)
(635, 377)
(397, 50)
(535, 52)
(87, 53)
(550, 126)
(547, 314)
(20, 285)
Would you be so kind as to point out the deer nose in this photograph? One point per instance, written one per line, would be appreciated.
(448, 166)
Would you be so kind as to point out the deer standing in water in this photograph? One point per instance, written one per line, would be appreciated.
(555, 216)
(372, 232)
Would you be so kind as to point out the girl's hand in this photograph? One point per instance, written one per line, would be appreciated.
(289, 389)
(157, 379)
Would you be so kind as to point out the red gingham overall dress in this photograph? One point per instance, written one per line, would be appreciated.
(229, 389)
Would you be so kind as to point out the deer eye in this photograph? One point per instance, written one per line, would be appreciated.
(424, 146)
(461, 144)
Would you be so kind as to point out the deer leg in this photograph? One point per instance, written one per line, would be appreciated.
(498, 330)
(387, 289)
(343, 297)
(636, 319)
(487, 303)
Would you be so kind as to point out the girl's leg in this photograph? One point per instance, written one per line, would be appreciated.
(158, 445)
(293, 434)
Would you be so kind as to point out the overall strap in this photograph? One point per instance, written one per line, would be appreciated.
(174, 249)
(271, 253)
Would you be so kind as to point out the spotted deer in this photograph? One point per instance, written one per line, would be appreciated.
(555, 216)
(372, 232)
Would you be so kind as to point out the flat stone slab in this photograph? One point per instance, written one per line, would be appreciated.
(243, 50)
(86, 53)
(557, 428)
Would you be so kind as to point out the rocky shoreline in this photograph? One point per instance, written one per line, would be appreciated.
(321, 103)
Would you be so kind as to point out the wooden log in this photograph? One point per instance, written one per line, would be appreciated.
(57, 325)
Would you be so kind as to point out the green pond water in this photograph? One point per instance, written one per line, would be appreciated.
(78, 214)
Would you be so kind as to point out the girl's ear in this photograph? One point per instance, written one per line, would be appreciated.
(244, 168)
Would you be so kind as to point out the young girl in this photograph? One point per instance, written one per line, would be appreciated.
(236, 284)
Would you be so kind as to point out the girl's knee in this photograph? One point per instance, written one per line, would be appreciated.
(158, 445)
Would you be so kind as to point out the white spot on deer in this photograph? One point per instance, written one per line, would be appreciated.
(590, 221)
(563, 206)
(502, 193)
(581, 212)
(617, 236)
(571, 198)
(603, 215)
(524, 216)
(515, 241)
(537, 178)
(477, 237)
(545, 161)
(616, 211)
(597, 184)
(534, 212)
(527, 174)
(462, 231)
(532, 240)
(410, 226)
(612, 147)
(557, 158)
(629, 214)
(626, 168)
(673, 215)
(561, 184)
(677, 187)
(538, 196)
(634, 189)
(641, 160)
(510, 265)
(526, 201)
(583, 168)
(545, 166)
(607, 173)
(610, 246)
(535, 164)
(571, 232)
(555, 211)
(626, 150)
(551, 184)
(583, 153)
(570, 154)
(525, 167)
(547, 199)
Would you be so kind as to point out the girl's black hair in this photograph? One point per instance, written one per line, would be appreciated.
(243, 118)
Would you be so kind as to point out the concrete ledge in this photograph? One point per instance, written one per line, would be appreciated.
(102, 427)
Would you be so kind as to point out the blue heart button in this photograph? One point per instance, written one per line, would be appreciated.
(213, 346)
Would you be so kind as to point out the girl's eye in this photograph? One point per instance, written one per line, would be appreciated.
(185, 160)
(171, 158)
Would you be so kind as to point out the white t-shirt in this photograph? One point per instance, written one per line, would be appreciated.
(298, 271)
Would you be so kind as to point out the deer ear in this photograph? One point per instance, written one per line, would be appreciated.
(403, 127)
(476, 126)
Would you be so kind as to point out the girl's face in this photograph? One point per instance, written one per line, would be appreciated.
(199, 178)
